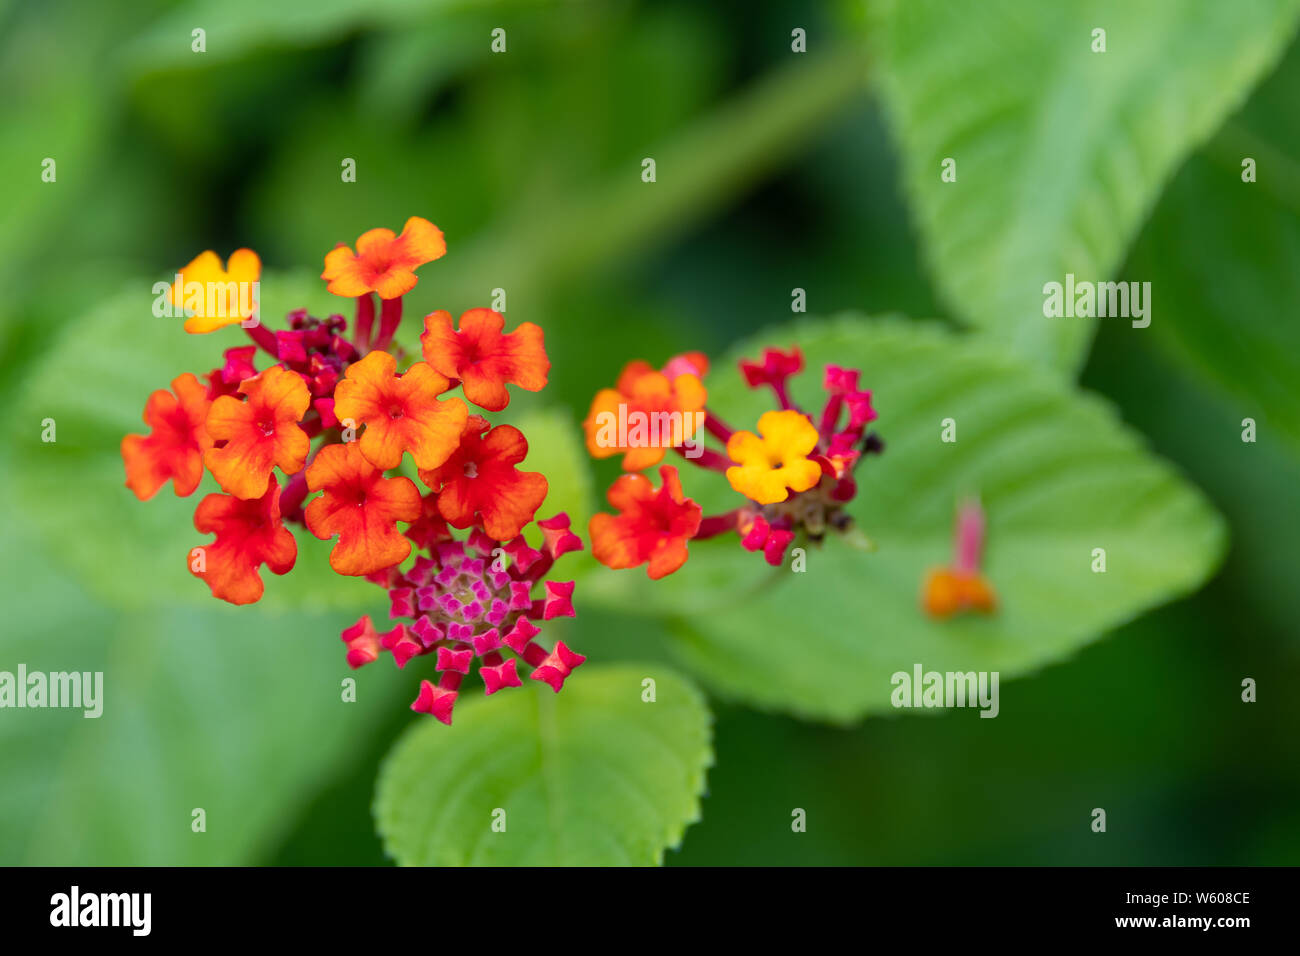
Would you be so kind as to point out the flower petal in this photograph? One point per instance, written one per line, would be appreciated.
(362, 508)
(175, 446)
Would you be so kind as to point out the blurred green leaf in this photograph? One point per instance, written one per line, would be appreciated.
(1056, 472)
(58, 122)
(1228, 313)
(1146, 723)
(1223, 257)
(235, 28)
(234, 711)
(401, 69)
(1061, 152)
(528, 219)
(592, 776)
(1253, 484)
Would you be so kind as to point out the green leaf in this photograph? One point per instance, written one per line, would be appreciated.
(61, 116)
(235, 711)
(94, 383)
(1060, 152)
(1058, 476)
(592, 776)
(1223, 256)
(1225, 312)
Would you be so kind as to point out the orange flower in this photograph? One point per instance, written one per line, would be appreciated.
(961, 586)
(217, 296)
(259, 433)
(652, 526)
(946, 591)
(769, 468)
(362, 507)
(696, 363)
(481, 479)
(249, 534)
(384, 263)
(175, 446)
(484, 359)
(401, 412)
(642, 398)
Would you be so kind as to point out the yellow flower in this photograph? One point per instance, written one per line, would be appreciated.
(769, 468)
(217, 296)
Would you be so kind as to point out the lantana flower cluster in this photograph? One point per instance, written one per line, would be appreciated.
(315, 438)
(794, 473)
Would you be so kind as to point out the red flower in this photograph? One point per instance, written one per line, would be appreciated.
(435, 700)
(430, 528)
(260, 433)
(362, 507)
(480, 481)
(484, 359)
(238, 367)
(175, 446)
(652, 526)
(762, 536)
(466, 601)
(841, 385)
(557, 536)
(362, 641)
(401, 412)
(557, 666)
(249, 534)
(774, 370)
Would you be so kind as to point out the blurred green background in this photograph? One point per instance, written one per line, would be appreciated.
(776, 171)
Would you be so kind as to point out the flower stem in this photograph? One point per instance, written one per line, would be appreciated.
(714, 525)
(717, 427)
(364, 323)
(390, 317)
(707, 458)
(265, 338)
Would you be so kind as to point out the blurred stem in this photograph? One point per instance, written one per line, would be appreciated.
(363, 323)
(702, 169)
(855, 539)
